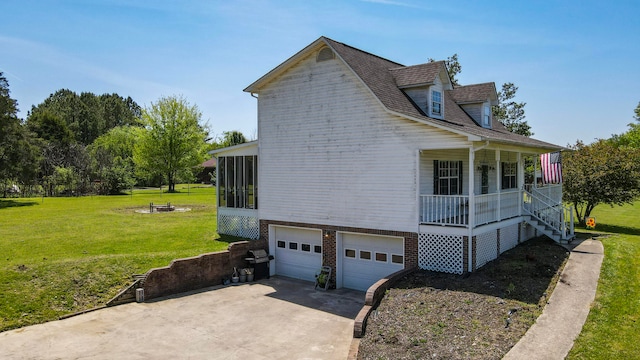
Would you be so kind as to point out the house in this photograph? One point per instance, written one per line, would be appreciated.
(370, 167)
(206, 169)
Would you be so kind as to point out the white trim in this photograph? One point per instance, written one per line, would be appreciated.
(242, 146)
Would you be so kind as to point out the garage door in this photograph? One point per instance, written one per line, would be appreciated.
(367, 259)
(298, 252)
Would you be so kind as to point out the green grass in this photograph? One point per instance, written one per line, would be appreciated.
(612, 330)
(63, 255)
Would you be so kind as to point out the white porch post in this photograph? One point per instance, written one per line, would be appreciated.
(472, 207)
(498, 182)
(520, 178)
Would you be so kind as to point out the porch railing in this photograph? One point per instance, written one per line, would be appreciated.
(453, 210)
(552, 192)
(496, 207)
(444, 209)
(553, 214)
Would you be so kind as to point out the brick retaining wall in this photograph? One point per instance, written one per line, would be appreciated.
(198, 272)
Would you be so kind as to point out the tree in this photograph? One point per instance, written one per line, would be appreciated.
(630, 138)
(600, 173)
(510, 113)
(18, 155)
(87, 115)
(453, 66)
(112, 159)
(173, 142)
(229, 138)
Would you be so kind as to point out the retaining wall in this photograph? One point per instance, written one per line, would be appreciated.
(198, 272)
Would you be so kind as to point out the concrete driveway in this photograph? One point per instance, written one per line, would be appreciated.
(277, 318)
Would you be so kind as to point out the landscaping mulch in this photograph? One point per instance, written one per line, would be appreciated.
(430, 315)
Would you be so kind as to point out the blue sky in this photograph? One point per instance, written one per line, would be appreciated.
(575, 62)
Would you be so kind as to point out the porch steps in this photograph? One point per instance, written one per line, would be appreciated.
(547, 230)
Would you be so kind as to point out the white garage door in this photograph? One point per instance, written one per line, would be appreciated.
(368, 258)
(298, 252)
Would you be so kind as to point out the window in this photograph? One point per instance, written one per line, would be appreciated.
(281, 244)
(381, 257)
(486, 119)
(324, 55)
(397, 259)
(237, 181)
(509, 175)
(349, 253)
(365, 255)
(447, 177)
(317, 249)
(305, 247)
(293, 246)
(436, 103)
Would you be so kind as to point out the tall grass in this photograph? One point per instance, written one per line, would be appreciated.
(612, 330)
(62, 255)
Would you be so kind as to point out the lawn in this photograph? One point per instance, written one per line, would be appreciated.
(63, 255)
(613, 326)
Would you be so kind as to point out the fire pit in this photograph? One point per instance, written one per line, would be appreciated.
(161, 208)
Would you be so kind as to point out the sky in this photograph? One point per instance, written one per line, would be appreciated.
(575, 62)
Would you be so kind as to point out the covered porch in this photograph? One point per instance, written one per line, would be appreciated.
(478, 186)
(472, 186)
(475, 203)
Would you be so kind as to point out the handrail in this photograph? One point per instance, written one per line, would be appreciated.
(549, 211)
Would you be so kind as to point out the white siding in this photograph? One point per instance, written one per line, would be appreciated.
(420, 96)
(329, 154)
(474, 111)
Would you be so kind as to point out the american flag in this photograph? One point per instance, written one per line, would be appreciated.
(551, 167)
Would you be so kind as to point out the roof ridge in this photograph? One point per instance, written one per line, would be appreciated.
(364, 52)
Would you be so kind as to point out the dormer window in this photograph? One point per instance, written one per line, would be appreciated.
(486, 118)
(436, 103)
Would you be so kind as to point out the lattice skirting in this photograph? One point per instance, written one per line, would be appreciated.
(440, 252)
(508, 237)
(241, 226)
(486, 247)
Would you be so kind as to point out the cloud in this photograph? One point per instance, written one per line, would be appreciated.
(59, 62)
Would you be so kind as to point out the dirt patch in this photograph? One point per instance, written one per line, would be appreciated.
(429, 315)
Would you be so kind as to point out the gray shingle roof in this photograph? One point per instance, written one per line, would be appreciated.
(417, 75)
(384, 78)
(474, 93)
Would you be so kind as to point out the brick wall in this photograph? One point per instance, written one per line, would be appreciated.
(198, 272)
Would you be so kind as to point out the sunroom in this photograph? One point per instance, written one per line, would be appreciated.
(237, 184)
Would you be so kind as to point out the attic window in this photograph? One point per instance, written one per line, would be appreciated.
(436, 103)
(486, 118)
(325, 54)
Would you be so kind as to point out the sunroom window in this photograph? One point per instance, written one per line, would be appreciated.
(237, 181)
